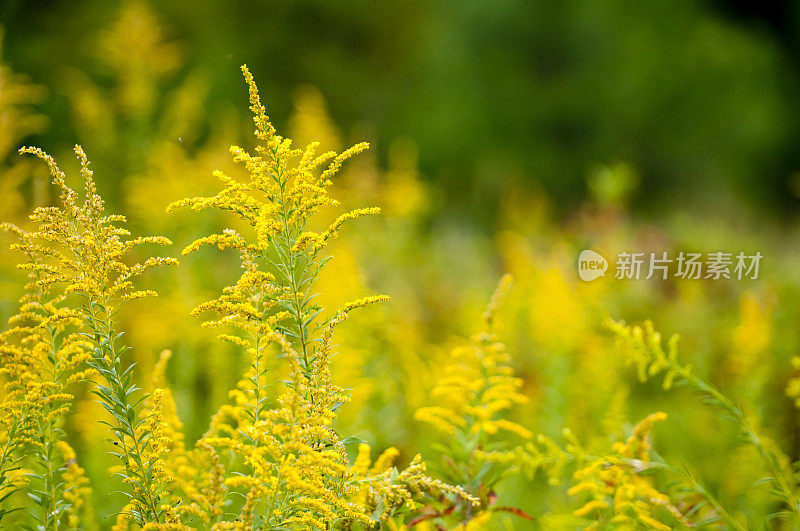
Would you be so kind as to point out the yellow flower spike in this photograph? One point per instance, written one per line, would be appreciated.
(78, 249)
(361, 464)
(385, 461)
(41, 357)
(365, 301)
(476, 389)
(77, 492)
(292, 469)
(641, 348)
(616, 487)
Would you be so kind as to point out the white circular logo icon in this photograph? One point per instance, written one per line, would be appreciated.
(591, 265)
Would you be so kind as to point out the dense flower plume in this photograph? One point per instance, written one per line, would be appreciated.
(289, 463)
(76, 250)
(617, 484)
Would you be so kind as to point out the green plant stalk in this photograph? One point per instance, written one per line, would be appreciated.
(274, 499)
(115, 398)
(49, 432)
(740, 419)
(715, 504)
(51, 487)
(288, 265)
(7, 464)
(289, 271)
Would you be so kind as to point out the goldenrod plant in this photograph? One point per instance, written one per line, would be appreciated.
(474, 393)
(43, 355)
(79, 251)
(284, 458)
(159, 110)
(619, 491)
(642, 349)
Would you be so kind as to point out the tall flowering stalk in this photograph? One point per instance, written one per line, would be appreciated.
(285, 459)
(283, 260)
(20, 415)
(642, 349)
(475, 392)
(54, 357)
(83, 253)
(619, 491)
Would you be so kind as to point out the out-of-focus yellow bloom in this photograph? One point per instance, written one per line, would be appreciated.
(642, 349)
(476, 389)
(617, 486)
(793, 385)
(80, 513)
(748, 362)
(17, 121)
(403, 193)
(311, 121)
(129, 46)
(477, 385)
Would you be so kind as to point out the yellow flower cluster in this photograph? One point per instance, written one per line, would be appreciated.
(477, 385)
(18, 413)
(275, 455)
(42, 356)
(77, 249)
(85, 248)
(475, 391)
(642, 349)
(383, 489)
(281, 454)
(284, 190)
(618, 487)
(298, 470)
(77, 492)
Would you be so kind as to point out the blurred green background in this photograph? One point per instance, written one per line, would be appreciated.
(699, 97)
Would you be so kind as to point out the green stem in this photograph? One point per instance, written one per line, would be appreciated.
(715, 504)
(8, 451)
(50, 474)
(738, 416)
(274, 496)
(50, 478)
(105, 329)
(257, 381)
(289, 269)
